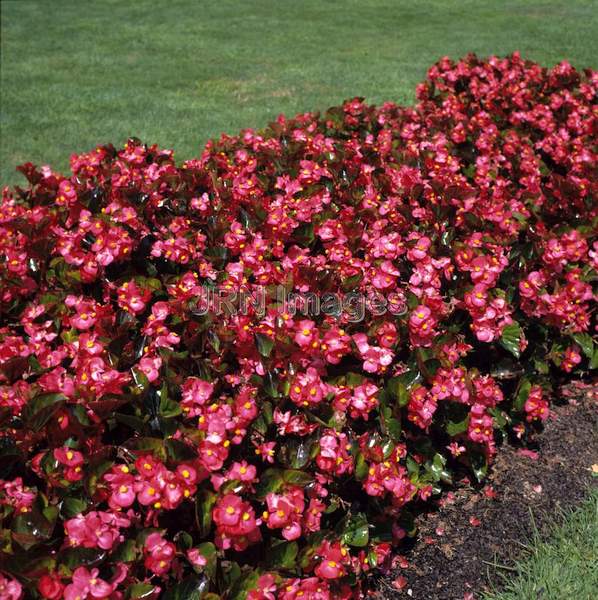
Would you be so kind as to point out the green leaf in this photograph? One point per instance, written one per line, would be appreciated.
(260, 426)
(500, 417)
(282, 554)
(412, 468)
(264, 344)
(231, 572)
(71, 507)
(387, 447)
(183, 540)
(594, 361)
(399, 387)
(355, 531)
(510, 338)
(149, 283)
(410, 378)
(350, 283)
(94, 472)
(353, 379)
(34, 526)
(361, 467)
(141, 381)
(191, 588)
(397, 390)
(168, 406)
(125, 552)
(147, 444)
(479, 465)
(244, 582)
(141, 590)
(203, 511)
(586, 343)
(390, 424)
(77, 557)
(217, 254)
(214, 340)
(245, 218)
(304, 234)
(208, 550)
(437, 468)
(456, 427)
(179, 451)
(296, 453)
(270, 385)
(270, 481)
(296, 477)
(79, 411)
(541, 366)
(522, 393)
(232, 486)
(412, 300)
(429, 368)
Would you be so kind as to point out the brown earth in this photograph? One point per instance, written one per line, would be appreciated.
(464, 545)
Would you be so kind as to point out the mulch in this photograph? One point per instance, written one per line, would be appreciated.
(477, 533)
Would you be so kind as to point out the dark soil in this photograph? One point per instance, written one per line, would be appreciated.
(462, 548)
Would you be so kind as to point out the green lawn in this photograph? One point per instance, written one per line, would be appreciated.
(177, 72)
(562, 568)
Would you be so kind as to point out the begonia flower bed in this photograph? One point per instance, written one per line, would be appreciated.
(241, 376)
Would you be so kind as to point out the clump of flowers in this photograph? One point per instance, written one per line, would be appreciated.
(154, 439)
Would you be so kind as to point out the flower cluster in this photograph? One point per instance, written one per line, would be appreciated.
(96, 529)
(151, 441)
(151, 484)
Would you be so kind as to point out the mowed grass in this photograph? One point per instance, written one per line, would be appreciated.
(177, 72)
(565, 567)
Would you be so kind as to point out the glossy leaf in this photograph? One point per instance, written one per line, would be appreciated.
(203, 511)
(510, 338)
(191, 588)
(264, 344)
(586, 343)
(282, 554)
(522, 393)
(355, 531)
